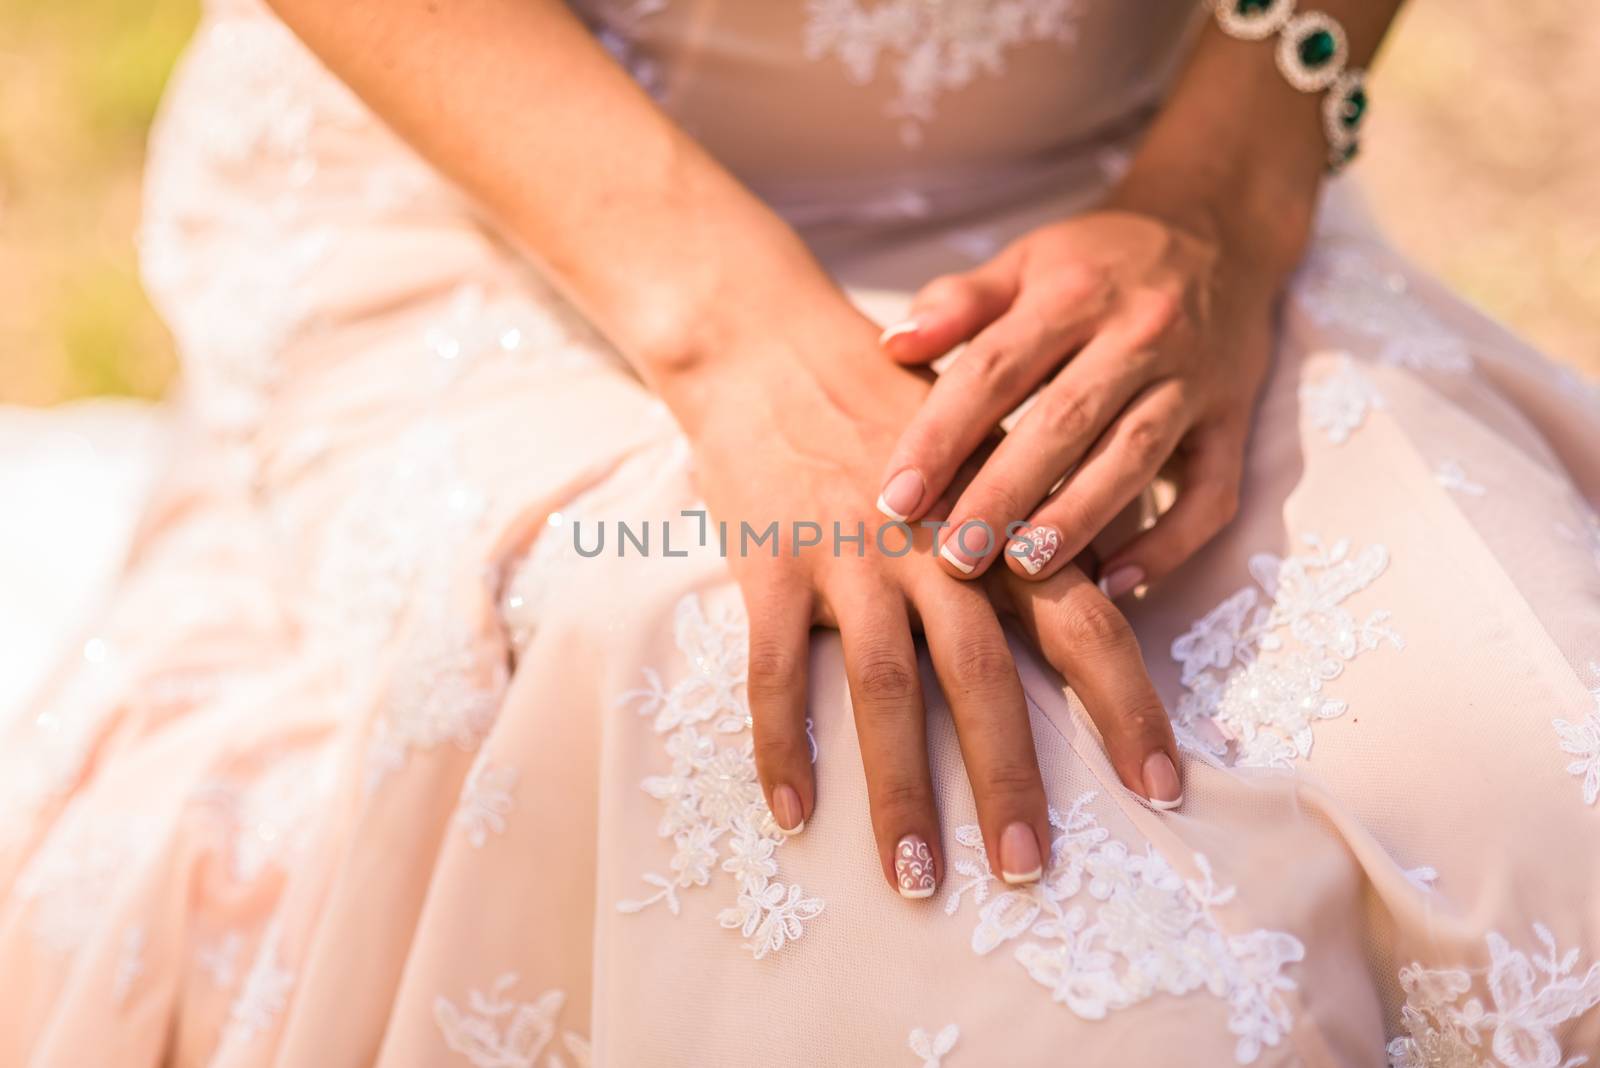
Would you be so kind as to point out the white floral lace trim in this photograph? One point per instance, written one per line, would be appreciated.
(1338, 403)
(1528, 997)
(1342, 287)
(1140, 930)
(1582, 740)
(713, 807)
(942, 47)
(497, 1031)
(933, 1048)
(1248, 684)
(267, 818)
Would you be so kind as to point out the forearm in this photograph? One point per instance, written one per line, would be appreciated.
(514, 100)
(1239, 145)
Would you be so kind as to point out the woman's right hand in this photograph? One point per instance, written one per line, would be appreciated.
(794, 429)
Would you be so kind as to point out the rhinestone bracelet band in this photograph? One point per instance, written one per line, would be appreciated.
(1313, 56)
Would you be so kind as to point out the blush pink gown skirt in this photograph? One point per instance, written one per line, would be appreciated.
(361, 764)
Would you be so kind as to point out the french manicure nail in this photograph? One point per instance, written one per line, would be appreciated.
(1034, 548)
(1121, 581)
(901, 494)
(955, 561)
(1019, 855)
(787, 811)
(913, 867)
(904, 326)
(1161, 784)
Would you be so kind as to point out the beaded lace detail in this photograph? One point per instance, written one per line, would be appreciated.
(1504, 1016)
(939, 47)
(713, 809)
(1109, 926)
(1256, 667)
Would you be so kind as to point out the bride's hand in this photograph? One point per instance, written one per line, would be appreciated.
(793, 431)
(1142, 342)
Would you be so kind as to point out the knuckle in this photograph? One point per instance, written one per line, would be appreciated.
(774, 669)
(987, 362)
(1145, 439)
(1093, 623)
(897, 793)
(1064, 415)
(887, 678)
(773, 748)
(981, 664)
(1009, 781)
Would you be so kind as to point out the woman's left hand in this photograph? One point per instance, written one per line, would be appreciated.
(1141, 341)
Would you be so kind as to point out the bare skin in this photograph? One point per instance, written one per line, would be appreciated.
(1144, 328)
(724, 313)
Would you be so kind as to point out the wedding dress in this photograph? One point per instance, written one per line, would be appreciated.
(361, 762)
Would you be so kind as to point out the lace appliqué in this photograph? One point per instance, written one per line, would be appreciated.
(942, 46)
(1248, 684)
(1342, 287)
(714, 809)
(268, 817)
(486, 801)
(932, 1048)
(76, 872)
(1528, 997)
(1582, 740)
(264, 994)
(1141, 929)
(1338, 403)
(497, 1031)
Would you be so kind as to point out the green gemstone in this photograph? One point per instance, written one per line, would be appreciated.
(1355, 106)
(1317, 48)
(1252, 7)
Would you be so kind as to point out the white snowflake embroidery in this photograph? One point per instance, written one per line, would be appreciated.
(497, 1031)
(932, 1048)
(1247, 684)
(130, 964)
(1528, 997)
(1337, 404)
(714, 809)
(1141, 930)
(942, 47)
(1452, 476)
(1582, 740)
(486, 801)
(1342, 287)
(264, 994)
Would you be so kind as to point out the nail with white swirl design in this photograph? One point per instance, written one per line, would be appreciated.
(1033, 548)
(913, 867)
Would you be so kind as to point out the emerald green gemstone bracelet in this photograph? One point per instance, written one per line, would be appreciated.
(1313, 55)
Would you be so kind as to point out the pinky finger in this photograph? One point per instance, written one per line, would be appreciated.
(1207, 503)
(780, 649)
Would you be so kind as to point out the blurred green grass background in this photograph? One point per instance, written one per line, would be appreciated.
(1483, 163)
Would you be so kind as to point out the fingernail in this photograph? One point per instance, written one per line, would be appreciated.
(955, 560)
(1161, 784)
(1019, 855)
(1121, 580)
(1034, 548)
(787, 811)
(913, 867)
(901, 495)
(904, 326)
